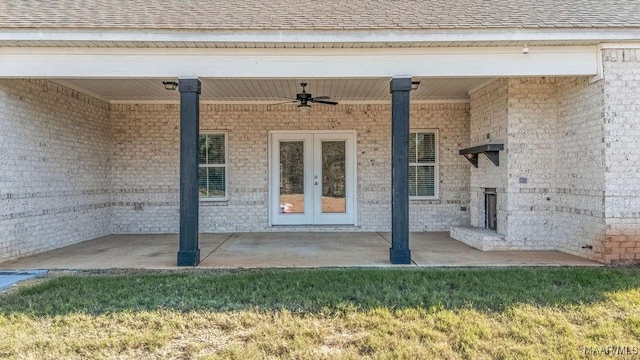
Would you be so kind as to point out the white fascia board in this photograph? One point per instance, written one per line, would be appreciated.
(382, 36)
(620, 45)
(297, 63)
(486, 83)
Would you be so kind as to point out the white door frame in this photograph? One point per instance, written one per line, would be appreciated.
(313, 216)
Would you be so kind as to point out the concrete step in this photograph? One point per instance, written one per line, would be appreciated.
(481, 239)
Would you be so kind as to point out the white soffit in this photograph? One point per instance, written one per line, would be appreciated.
(272, 90)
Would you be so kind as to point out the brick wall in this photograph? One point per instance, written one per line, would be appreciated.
(54, 185)
(622, 155)
(550, 180)
(532, 113)
(579, 167)
(489, 125)
(145, 164)
(75, 168)
(144, 168)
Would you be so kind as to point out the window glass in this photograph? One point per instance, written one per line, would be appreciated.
(422, 164)
(212, 176)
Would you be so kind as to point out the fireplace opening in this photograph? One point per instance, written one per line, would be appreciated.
(490, 206)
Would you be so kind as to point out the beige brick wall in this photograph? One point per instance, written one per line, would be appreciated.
(489, 119)
(54, 185)
(75, 168)
(622, 155)
(145, 164)
(550, 180)
(144, 168)
(532, 108)
(578, 219)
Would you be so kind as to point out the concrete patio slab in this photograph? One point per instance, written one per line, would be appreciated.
(116, 251)
(283, 249)
(438, 249)
(307, 249)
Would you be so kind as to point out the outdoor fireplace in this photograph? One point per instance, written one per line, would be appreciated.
(490, 208)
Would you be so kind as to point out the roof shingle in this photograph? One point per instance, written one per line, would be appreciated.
(320, 15)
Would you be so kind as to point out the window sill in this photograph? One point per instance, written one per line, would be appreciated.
(425, 200)
(213, 201)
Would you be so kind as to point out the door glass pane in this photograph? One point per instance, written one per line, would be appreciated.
(334, 177)
(291, 177)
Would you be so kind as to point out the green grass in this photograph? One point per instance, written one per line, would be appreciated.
(527, 313)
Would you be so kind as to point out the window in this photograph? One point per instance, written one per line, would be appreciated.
(423, 164)
(212, 176)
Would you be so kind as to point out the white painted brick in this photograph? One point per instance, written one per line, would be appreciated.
(545, 187)
(73, 167)
(144, 166)
(54, 183)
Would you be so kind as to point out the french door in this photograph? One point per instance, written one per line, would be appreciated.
(313, 178)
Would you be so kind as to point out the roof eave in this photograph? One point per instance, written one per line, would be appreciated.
(383, 37)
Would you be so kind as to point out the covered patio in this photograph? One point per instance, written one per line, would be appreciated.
(142, 157)
(275, 250)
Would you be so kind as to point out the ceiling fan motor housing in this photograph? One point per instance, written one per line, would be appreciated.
(303, 97)
(306, 98)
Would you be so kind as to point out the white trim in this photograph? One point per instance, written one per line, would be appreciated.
(600, 74)
(354, 132)
(111, 63)
(384, 36)
(274, 103)
(226, 165)
(436, 170)
(486, 83)
(351, 179)
(93, 94)
(634, 45)
(298, 52)
(306, 217)
(310, 218)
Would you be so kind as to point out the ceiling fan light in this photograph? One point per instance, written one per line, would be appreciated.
(304, 108)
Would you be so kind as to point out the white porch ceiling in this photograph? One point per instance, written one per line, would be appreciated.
(273, 90)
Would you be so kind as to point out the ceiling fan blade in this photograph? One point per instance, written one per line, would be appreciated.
(286, 102)
(321, 97)
(327, 102)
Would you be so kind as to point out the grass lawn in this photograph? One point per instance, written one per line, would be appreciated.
(523, 313)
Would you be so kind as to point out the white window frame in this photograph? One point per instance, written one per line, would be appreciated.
(225, 165)
(436, 165)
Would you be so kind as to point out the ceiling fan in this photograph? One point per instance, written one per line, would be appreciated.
(305, 98)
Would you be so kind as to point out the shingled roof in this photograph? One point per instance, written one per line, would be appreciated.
(318, 15)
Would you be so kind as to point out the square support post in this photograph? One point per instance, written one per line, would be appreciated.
(400, 101)
(189, 252)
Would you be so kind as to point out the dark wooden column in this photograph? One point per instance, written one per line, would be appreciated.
(400, 94)
(189, 252)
